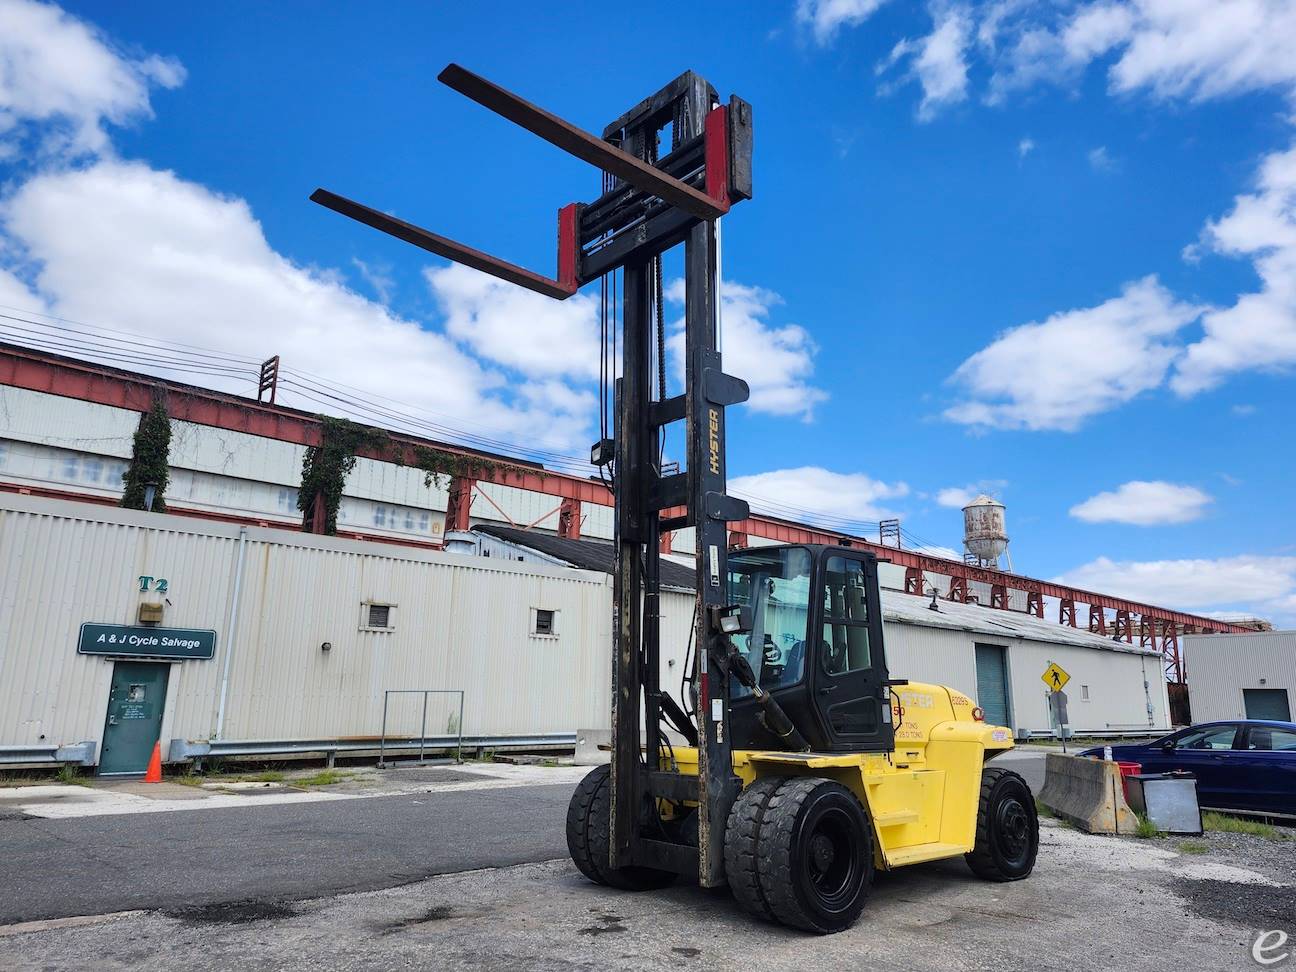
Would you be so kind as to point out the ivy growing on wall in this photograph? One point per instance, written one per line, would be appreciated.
(326, 466)
(149, 459)
(440, 466)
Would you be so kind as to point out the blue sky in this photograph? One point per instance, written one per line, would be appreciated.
(1044, 249)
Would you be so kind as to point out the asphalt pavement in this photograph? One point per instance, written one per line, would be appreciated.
(56, 868)
(94, 865)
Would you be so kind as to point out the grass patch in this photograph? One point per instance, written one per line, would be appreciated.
(1223, 823)
(323, 778)
(1146, 828)
(70, 776)
(265, 776)
(1192, 847)
(1042, 810)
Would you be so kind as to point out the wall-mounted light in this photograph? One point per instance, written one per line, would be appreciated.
(150, 494)
(327, 646)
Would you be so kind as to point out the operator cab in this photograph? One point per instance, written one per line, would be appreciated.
(815, 646)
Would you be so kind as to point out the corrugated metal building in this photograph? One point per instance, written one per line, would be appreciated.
(1241, 676)
(50, 440)
(996, 657)
(320, 627)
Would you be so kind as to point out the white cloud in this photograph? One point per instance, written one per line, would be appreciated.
(935, 550)
(839, 500)
(937, 61)
(957, 497)
(825, 18)
(1260, 585)
(378, 277)
(1055, 374)
(1100, 159)
(515, 327)
(1243, 410)
(129, 247)
(1025, 147)
(1259, 330)
(58, 75)
(1193, 49)
(1141, 503)
(777, 362)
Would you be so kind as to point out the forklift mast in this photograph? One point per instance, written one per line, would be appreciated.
(649, 205)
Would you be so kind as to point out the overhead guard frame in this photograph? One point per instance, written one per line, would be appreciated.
(723, 146)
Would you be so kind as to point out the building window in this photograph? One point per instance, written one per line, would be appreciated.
(1084, 693)
(376, 616)
(544, 623)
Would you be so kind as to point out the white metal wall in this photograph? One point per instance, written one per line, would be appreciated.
(1219, 667)
(1120, 684)
(459, 622)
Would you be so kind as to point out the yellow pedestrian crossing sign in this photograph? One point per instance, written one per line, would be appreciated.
(1054, 677)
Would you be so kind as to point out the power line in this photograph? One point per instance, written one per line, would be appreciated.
(132, 348)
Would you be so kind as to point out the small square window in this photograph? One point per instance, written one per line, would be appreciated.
(1084, 693)
(377, 617)
(544, 622)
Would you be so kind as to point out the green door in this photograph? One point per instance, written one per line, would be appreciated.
(135, 706)
(992, 684)
(1266, 704)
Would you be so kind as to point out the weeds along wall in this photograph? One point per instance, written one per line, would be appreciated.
(454, 622)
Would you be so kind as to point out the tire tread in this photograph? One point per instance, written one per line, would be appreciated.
(981, 858)
(743, 843)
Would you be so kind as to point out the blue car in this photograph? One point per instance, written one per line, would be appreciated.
(1248, 766)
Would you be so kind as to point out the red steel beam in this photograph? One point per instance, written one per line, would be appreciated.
(103, 385)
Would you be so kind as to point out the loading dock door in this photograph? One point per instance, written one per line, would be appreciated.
(1267, 704)
(992, 684)
(135, 705)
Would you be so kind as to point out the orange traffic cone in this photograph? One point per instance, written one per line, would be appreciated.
(154, 774)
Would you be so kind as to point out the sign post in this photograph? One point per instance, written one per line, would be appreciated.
(1055, 677)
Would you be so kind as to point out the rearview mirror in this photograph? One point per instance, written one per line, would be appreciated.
(1168, 745)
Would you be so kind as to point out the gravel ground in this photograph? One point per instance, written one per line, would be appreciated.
(1093, 903)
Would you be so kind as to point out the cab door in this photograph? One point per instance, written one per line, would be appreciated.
(849, 678)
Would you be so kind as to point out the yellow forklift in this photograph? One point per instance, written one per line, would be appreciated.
(800, 766)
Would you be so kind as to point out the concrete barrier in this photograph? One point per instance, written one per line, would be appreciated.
(1088, 793)
(593, 746)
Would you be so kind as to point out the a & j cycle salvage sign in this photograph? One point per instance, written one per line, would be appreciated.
(137, 641)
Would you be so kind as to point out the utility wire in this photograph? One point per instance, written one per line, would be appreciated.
(110, 344)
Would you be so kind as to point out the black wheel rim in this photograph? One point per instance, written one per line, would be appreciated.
(832, 859)
(1013, 830)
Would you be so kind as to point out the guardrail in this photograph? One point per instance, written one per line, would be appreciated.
(82, 753)
(182, 750)
(388, 693)
(1099, 734)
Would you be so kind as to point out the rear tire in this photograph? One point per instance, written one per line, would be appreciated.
(588, 815)
(815, 855)
(1007, 831)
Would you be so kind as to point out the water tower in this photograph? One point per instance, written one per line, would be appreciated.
(985, 537)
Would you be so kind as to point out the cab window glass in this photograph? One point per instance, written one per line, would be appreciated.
(845, 646)
(775, 585)
(1216, 738)
(1270, 739)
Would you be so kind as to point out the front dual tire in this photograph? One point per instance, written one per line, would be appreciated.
(799, 851)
